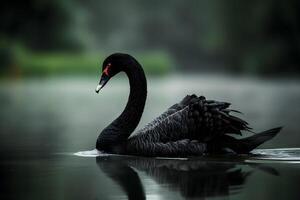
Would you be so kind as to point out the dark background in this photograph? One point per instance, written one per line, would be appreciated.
(254, 38)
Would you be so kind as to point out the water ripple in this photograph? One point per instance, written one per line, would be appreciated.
(284, 155)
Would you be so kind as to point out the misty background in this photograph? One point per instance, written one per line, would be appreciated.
(73, 36)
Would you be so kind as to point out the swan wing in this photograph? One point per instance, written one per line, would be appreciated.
(194, 118)
(173, 109)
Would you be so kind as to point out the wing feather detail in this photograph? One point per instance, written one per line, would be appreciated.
(194, 119)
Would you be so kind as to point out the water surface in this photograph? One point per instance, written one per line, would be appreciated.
(44, 121)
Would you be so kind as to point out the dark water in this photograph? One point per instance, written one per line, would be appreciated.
(44, 121)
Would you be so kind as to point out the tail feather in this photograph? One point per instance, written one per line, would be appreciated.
(247, 144)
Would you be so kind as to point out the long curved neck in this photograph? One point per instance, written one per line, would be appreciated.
(121, 128)
(130, 117)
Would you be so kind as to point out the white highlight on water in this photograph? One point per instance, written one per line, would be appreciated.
(280, 154)
(91, 153)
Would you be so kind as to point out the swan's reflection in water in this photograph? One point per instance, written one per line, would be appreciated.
(190, 178)
(123, 175)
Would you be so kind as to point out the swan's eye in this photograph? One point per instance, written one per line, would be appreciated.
(105, 71)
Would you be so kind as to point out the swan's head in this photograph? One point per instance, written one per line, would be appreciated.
(112, 65)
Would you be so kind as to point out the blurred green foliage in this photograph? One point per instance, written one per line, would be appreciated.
(44, 64)
(66, 63)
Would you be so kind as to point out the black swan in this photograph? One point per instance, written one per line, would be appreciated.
(194, 126)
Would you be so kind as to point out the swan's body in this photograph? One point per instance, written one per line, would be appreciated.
(195, 126)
